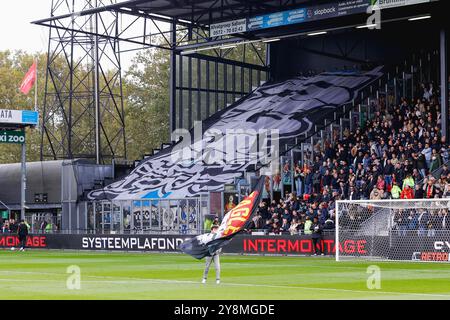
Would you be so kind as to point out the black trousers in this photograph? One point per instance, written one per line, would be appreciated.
(317, 241)
(23, 241)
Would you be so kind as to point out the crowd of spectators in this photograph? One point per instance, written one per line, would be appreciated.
(399, 153)
(9, 226)
(293, 216)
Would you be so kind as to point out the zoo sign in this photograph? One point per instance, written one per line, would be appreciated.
(16, 137)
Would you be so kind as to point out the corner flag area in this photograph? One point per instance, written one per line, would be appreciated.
(47, 275)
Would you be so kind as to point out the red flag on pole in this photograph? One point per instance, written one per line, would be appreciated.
(28, 81)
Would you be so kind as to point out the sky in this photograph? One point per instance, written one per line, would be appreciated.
(16, 31)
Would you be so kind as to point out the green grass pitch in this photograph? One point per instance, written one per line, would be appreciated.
(43, 275)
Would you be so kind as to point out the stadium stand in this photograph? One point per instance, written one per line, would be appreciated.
(399, 154)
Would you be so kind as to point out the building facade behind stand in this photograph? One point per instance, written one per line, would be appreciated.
(54, 190)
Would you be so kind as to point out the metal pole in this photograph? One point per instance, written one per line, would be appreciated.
(173, 78)
(96, 91)
(23, 180)
(444, 84)
(69, 182)
(336, 218)
(292, 171)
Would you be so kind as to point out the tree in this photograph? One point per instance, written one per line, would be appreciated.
(13, 67)
(145, 92)
(146, 87)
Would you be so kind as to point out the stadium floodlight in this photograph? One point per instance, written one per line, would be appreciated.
(397, 230)
(271, 40)
(219, 46)
(316, 33)
(372, 25)
(420, 18)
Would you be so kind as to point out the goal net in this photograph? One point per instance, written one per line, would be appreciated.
(403, 230)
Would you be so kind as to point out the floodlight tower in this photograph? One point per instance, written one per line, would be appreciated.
(83, 115)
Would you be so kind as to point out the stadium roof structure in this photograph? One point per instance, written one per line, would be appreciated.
(206, 12)
(202, 12)
(185, 13)
(197, 17)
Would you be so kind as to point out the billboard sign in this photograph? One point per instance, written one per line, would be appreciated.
(19, 117)
(11, 136)
(306, 14)
(4, 214)
(229, 27)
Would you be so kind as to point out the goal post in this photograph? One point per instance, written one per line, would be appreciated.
(398, 230)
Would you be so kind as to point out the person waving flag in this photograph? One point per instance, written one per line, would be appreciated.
(235, 221)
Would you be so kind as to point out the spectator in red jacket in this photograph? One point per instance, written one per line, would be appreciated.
(381, 184)
(407, 193)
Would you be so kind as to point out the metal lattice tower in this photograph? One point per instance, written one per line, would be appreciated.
(83, 114)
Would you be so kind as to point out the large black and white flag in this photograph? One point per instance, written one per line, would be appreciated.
(290, 107)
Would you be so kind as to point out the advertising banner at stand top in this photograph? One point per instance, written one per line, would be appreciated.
(19, 117)
(306, 14)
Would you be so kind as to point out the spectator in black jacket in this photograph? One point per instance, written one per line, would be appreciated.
(22, 232)
(353, 194)
(264, 211)
(317, 230)
(13, 226)
(418, 191)
(285, 226)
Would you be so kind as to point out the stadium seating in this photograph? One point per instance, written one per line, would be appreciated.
(399, 153)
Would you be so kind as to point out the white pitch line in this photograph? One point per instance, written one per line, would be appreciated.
(332, 267)
(141, 280)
